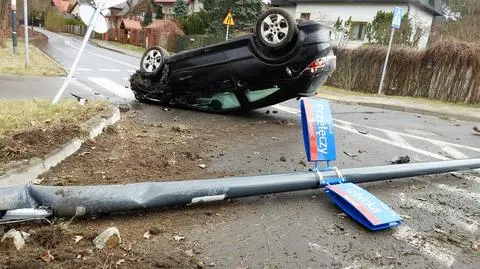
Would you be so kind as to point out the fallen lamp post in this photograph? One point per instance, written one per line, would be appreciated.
(64, 201)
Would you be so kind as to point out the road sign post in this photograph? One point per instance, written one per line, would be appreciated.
(228, 21)
(396, 22)
(14, 26)
(25, 26)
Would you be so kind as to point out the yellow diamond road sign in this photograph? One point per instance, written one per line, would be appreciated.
(229, 19)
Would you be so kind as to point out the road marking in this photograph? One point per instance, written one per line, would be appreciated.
(450, 150)
(462, 192)
(454, 216)
(396, 137)
(412, 238)
(108, 70)
(380, 139)
(113, 87)
(130, 70)
(394, 143)
(114, 60)
(84, 69)
(286, 109)
(433, 141)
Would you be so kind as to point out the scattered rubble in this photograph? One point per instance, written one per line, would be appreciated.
(147, 235)
(47, 256)
(78, 238)
(400, 159)
(203, 166)
(110, 237)
(14, 238)
(283, 159)
(353, 155)
(178, 238)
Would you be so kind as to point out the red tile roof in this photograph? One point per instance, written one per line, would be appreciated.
(165, 26)
(131, 24)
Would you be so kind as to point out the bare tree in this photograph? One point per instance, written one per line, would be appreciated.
(5, 12)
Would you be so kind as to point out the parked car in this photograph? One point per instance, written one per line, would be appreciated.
(281, 60)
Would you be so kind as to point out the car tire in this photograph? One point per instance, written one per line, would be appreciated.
(153, 61)
(275, 28)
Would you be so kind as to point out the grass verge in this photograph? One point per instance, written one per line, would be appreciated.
(409, 99)
(39, 64)
(123, 46)
(22, 115)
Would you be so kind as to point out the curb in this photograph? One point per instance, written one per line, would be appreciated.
(132, 54)
(50, 58)
(403, 109)
(28, 173)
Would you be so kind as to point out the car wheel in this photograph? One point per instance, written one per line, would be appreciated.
(152, 61)
(275, 28)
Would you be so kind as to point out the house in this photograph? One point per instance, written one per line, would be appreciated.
(167, 7)
(421, 13)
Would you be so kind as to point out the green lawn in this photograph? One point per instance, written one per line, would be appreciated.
(20, 115)
(39, 64)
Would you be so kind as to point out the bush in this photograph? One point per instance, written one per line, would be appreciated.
(54, 21)
(73, 22)
(447, 71)
(194, 24)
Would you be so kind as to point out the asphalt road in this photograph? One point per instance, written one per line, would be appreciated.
(100, 72)
(304, 229)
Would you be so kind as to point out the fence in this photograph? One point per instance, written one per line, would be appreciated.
(79, 30)
(447, 71)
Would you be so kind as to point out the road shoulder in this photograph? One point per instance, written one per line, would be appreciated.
(405, 104)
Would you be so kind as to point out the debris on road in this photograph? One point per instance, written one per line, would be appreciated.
(406, 216)
(475, 245)
(363, 132)
(155, 230)
(203, 166)
(189, 252)
(124, 108)
(147, 235)
(47, 256)
(178, 238)
(78, 238)
(110, 237)
(440, 231)
(119, 262)
(421, 199)
(353, 155)
(14, 238)
(283, 159)
(476, 129)
(400, 159)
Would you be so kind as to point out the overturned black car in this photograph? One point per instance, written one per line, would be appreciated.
(283, 59)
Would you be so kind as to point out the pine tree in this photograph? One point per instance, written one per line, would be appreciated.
(159, 14)
(180, 9)
(147, 19)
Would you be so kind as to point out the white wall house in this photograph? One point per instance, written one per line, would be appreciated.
(361, 13)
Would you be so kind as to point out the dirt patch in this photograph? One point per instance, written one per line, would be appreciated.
(132, 151)
(138, 150)
(34, 143)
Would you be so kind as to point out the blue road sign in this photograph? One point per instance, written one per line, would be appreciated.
(317, 127)
(397, 17)
(363, 207)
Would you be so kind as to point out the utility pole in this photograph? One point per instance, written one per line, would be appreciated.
(25, 26)
(14, 26)
(396, 22)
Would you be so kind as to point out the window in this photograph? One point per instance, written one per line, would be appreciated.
(260, 94)
(305, 16)
(357, 31)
